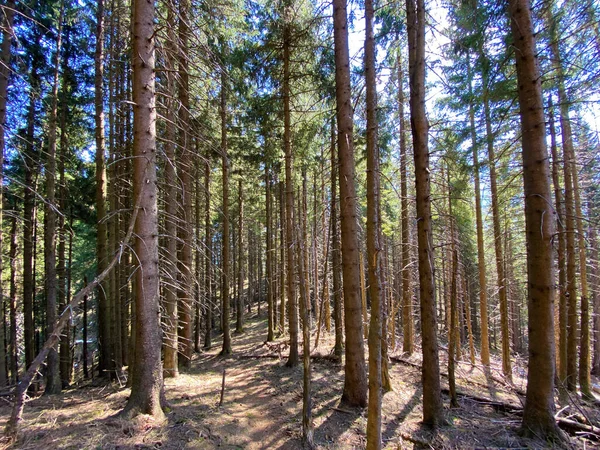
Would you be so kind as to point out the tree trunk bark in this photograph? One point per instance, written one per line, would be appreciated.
(5, 55)
(147, 379)
(374, 238)
(226, 350)
(432, 402)
(481, 268)
(562, 248)
(538, 415)
(239, 326)
(293, 358)
(355, 382)
(170, 315)
(270, 252)
(502, 293)
(407, 313)
(186, 168)
(335, 253)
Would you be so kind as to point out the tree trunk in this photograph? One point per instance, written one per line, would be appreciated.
(53, 382)
(186, 168)
(355, 382)
(481, 268)
(335, 253)
(432, 403)
(270, 253)
(5, 55)
(208, 248)
(594, 275)
(538, 415)
(101, 228)
(407, 313)
(502, 293)
(239, 326)
(14, 353)
(293, 358)
(170, 340)
(31, 163)
(562, 248)
(282, 269)
(374, 238)
(226, 350)
(307, 428)
(147, 379)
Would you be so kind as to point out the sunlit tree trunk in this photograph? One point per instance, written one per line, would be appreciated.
(481, 268)
(501, 278)
(335, 253)
(538, 415)
(270, 254)
(291, 248)
(171, 269)
(374, 238)
(407, 313)
(562, 244)
(186, 169)
(147, 378)
(432, 402)
(239, 326)
(226, 350)
(355, 381)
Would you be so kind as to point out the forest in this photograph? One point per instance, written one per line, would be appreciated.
(299, 224)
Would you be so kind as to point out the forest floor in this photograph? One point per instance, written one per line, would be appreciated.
(262, 407)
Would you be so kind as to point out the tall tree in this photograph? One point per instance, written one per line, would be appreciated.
(170, 344)
(147, 378)
(101, 228)
(226, 350)
(432, 402)
(407, 316)
(292, 306)
(5, 56)
(374, 238)
(355, 381)
(538, 415)
(186, 169)
(53, 385)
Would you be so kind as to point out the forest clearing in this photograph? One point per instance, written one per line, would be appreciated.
(263, 402)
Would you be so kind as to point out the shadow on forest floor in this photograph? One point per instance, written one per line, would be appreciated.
(262, 406)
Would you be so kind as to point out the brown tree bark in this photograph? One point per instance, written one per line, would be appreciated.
(538, 415)
(481, 268)
(239, 325)
(226, 350)
(208, 248)
(374, 238)
(282, 258)
(501, 278)
(291, 249)
(171, 269)
(432, 403)
(355, 381)
(562, 248)
(407, 312)
(31, 164)
(147, 378)
(5, 56)
(186, 169)
(101, 228)
(335, 253)
(270, 254)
